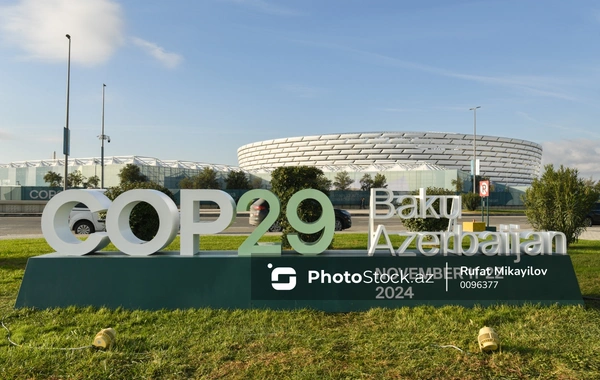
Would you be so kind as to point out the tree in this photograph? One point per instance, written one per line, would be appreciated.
(342, 181)
(324, 183)
(93, 182)
(53, 179)
(205, 179)
(237, 179)
(144, 218)
(471, 201)
(429, 224)
(379, 182)
(366, 182)
(257, 183)
(75, 179)
(559, 201)
(458, 184)
(131, 173)
(186, 183)
(288, 180)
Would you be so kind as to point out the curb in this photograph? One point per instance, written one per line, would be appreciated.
(20, 215)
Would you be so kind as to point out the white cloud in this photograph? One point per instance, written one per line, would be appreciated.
(564, 128)
(4, 135)
(38, 27)
(543, 86)
(579, 154)
(170, 60)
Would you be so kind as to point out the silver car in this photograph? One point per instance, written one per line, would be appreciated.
(84, 222)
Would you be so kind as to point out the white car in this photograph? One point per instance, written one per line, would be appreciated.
(84, 222)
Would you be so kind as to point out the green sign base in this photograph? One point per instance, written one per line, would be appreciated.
(337, 281)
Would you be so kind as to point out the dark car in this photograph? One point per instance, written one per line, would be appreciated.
(260, 208)
(593, 217)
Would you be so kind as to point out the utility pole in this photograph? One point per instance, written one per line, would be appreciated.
(66, 136)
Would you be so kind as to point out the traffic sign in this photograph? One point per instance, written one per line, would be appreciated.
(484, 188)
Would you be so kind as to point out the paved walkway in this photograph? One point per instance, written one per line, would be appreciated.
(592, 233)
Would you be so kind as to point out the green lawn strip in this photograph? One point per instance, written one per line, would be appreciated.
(551, 342)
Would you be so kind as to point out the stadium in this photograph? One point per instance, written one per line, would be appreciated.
(409, 160)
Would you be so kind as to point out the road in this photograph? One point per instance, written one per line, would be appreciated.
(31, 226)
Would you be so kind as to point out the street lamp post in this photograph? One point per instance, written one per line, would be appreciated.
(474, 109)
(102, 137)
(66, 137)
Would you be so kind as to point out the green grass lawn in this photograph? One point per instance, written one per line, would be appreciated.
(550, 342)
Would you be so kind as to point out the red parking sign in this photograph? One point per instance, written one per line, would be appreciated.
(484, 188)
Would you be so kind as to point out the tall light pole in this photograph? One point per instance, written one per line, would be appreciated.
(102, 137)
(474, 109)
(66, 137)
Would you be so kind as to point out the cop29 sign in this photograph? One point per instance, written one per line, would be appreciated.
(447, 267)
(55, 221)
(55, 226)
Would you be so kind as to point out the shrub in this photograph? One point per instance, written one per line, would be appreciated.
(559, 201)
(471, 201)
(144, 218)
(288, 180)
(429, 224)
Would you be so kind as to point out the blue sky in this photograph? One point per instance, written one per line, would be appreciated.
(195, 80)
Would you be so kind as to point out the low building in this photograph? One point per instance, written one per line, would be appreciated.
(167, 173)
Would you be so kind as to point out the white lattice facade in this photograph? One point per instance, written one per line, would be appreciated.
(504, 160)
(164, 172)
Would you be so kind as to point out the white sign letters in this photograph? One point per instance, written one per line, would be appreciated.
(453, 240)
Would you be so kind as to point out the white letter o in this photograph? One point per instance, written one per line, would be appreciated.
(119, 230)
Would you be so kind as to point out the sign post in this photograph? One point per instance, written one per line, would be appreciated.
(484, 192)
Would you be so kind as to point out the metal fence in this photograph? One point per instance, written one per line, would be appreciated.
(28, 193)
